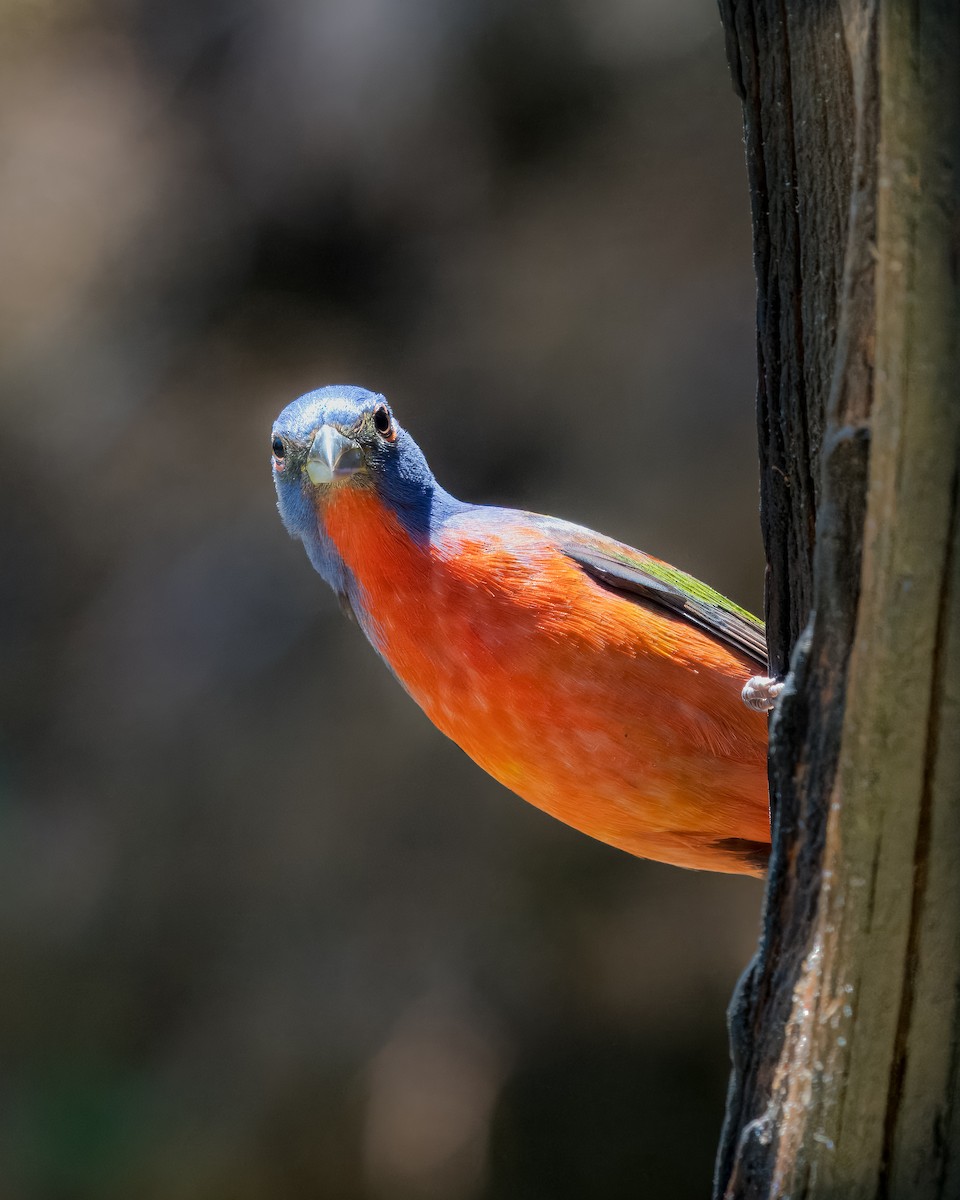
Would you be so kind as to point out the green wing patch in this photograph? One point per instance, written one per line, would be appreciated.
(641, 577)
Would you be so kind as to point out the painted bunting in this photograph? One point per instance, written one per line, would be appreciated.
(593, 680)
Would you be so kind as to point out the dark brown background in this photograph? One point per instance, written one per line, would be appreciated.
(264, 932)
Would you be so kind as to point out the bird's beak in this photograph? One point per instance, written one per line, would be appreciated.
(332, 456)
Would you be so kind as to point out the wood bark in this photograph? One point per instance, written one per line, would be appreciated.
(846, 1027)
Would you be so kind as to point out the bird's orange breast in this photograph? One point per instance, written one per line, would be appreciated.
(616, 717)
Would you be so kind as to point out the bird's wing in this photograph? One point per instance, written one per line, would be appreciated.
(639, 576)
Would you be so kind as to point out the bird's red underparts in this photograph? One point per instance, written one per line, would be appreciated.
(615, 716)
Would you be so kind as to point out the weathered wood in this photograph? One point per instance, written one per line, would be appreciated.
(804, 129)
(846, 1031)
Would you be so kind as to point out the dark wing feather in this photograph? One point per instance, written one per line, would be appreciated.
(639, 576)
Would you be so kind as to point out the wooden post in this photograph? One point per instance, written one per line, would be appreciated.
(846, 1028)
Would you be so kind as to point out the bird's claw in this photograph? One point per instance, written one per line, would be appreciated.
(761, 692)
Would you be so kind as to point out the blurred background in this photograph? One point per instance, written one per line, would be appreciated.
(264, 932)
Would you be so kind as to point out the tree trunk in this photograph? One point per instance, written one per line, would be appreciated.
(846, 1027)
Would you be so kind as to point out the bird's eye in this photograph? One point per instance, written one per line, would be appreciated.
(383, 423)
(278, 447)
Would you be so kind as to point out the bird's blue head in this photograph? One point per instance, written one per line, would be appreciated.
(340, 437)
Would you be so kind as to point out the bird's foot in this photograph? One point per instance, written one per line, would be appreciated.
(761, 692)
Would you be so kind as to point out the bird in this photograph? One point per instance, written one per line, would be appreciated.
(606, 687)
